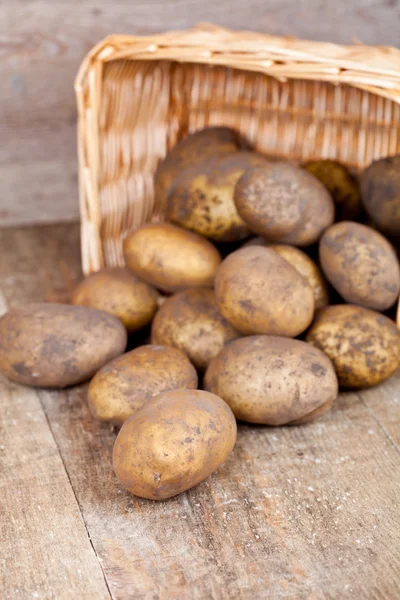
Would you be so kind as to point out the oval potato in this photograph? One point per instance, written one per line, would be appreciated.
(284, 203)
(258, 291)
(272, 380)
(363, 345)
(120, 293)
(303, 264)
(190, 320)
(360, 264)
(342, 186)
(308, 269)
(201, 198)
(123, 385)
(173, 442)
(192, 149)
(171, 258)
(380, 190)
(57, 345)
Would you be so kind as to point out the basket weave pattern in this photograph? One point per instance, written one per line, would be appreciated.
(290, 98)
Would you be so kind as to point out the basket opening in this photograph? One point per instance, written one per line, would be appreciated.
(145, 107)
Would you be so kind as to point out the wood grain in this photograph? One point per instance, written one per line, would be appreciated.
(45, 548)
(297, 512)
(383, 402)
(43, 43)
(47, 192)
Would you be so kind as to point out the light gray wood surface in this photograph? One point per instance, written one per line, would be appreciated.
(307, 512)
(45, 548)
(44, 41)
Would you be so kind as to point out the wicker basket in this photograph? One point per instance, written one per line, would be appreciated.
(290, 98)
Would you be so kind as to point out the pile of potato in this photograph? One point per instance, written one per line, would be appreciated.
(225, 306)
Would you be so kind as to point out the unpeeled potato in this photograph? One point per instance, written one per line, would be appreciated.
(123, 385)
(363, 345)
(173, 442)
(171, 258)
(120, 293)
(194, 148)
(258, 291)
(57, 345)
(190, 320)
(273, 380)
(201, 198)
(340, 183)
(360, 264)
(380, 188)
(284, 203)
(303, 264)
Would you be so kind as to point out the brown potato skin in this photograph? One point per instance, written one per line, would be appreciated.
(314, 414)
(308, 269)
(194, 148)
(303, 264)
(171, 258)
(363, 345)
(119, 292)
(380, 191)
(190, 320)
(272, 380)
(258, 291)
(173, 442)
(360, 264)
(201, 198)
(57, 345)
(122, 386)
(342, 186)
(284, 203)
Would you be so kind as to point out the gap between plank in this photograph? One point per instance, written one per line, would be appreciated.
(39, 395)
(377, 421)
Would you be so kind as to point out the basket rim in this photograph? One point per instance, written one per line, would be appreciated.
(373, 68)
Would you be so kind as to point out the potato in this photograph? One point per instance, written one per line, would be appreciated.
(120, 293)
(314, 414)
(190, 320)
(126, 383)
(363, 344)
(360, 264)
(171, 258)
(303, 264)
(272, 380)
(258, 291)
(192, 149)
(342, 186)
(57, 345)
(284, 203)
(201, 198)
(173, 442)
(308, 269)
(380, 191)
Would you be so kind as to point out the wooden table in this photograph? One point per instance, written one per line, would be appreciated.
(297, 512)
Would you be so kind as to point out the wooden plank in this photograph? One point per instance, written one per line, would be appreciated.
(298, 512)
(45, 548)
(38, 191)
(39, 263)
(39, 141)
(383, 402)
(43, 43)
(310, 512)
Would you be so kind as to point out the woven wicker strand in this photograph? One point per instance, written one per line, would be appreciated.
(290, 98)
